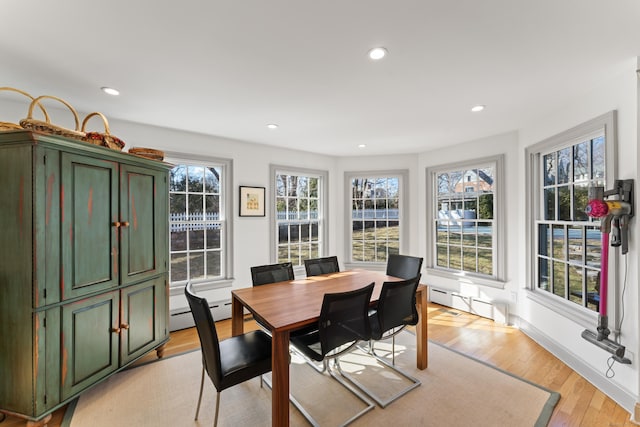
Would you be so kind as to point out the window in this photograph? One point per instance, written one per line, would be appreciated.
(465, 221)
(376, 215)
(197, 222)
(299, 214)
(567, 259)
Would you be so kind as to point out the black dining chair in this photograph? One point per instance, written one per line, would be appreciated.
(404, 266)
(317, 266)
(342, 324)
(396, 310)
(231, 361)
(271, 273)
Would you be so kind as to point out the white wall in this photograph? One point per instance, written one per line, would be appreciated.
(618, 91)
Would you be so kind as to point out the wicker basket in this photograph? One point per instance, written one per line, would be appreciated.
(104, 139)
(47, 127)
(148, 153)
(14, 126)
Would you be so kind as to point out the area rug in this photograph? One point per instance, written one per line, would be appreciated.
(456, 390)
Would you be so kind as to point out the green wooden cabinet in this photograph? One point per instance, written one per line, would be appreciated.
(83, 267)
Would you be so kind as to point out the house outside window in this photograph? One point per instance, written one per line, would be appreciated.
(466, 221)
(566, 264)
(299, 212)
(198, 228)
(376, 217)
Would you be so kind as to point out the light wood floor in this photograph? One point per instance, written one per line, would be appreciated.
(506, 347)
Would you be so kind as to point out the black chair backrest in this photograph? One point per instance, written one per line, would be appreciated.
(271, 273)
(206, 328)
(397, 305)
(344, 318)
(404, 266)
(317, 266)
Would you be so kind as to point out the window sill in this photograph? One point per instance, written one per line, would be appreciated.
(203, 286)
(466, 279)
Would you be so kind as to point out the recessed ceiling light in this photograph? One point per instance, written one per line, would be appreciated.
(110, 91)
(477, 108)
(272, 126)
(362, 145)
(377, 53)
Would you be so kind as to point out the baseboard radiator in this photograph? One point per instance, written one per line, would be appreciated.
(181, 318)
(490, 309)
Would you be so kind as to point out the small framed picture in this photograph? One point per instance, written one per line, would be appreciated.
(251, 201)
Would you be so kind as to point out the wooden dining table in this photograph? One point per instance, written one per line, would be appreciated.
(286, 306)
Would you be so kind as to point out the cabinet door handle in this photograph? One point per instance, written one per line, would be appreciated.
(116, 224)
(124, 224)
(124, 326)
(115, 330)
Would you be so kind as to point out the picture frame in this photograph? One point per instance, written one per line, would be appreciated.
(252, 201)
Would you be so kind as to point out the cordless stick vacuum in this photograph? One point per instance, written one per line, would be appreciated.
(615, 207)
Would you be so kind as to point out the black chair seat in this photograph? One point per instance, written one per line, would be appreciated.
(244, 357)
(308, 343)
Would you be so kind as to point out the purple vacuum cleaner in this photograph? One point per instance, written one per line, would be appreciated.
(615, 207)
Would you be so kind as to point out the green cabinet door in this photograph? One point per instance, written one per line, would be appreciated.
(89, 214)
(90, 338)
(143, 323)
(143, 206)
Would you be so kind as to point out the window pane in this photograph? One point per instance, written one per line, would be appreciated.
(213, 236)
(178, 207)
(485, 234)
(544, 240)
(212, 180)
(558, 278)
(485, 261)
(575, 284)
(195, 207)
(212, 207)
(469, 259)
(178, 238)
(196, 265)
(558, 242)
(179, 267)
(550, 204)
(575, 244)
(196, 237)
(442, 256)
(564, 203)
(564, 165)
(178, 179)
(580, 200)
(544, 274)
(598, 158)
(593, 289)
(593, 250)
(549, 169)
(196, 179)
(581, 162)
(213, 264)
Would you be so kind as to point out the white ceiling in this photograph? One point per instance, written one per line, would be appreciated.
(229, 68)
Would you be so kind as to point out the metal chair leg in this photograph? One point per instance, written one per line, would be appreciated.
(215, 420)
(200, 396)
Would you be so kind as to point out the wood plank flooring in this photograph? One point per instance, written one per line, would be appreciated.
(506, 347)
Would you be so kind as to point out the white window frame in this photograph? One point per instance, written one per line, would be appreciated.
(323, 206)
(226, 214)
(403, 216)
(605, 124)
(498, 279)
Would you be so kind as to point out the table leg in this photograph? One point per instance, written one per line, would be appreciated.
(237, 317)
(421, 328)
(280, 376)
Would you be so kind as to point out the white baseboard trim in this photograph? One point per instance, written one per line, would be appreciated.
(621, 396)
